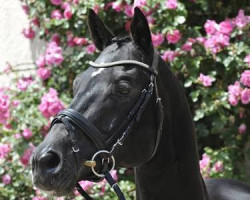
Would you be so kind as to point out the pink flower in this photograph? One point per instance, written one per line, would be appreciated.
(247, 60)
(139, 3)
(56, 38)
(218, 166)
(188, 45)
(169, 56)
(56, 14)
(245, 96)
(242, 128)
(96, 8)
(26, 155)
(201, 40)
(24, 83)
(4, 108)
(211, 27)
(29, 33)
(171, 4)
(128, 10)
(50, 104)
(205, 80)
(234, 92)
(174, 36)
(114, 175)
(70, 39)
(17, 136)
(157, 39)
(205, 165)
(25, 9)
(226, 27)
(67, 13)
(35, 21)
(86, 185)
(44, 73)
(53, 55)
(4, 150)
(80, 41)
(40, 61)
(241, 20)
(6, 179)
(56, 2)
(117, 6)
(245, 78)
(90, 48)
(15, 102)
(27, 134)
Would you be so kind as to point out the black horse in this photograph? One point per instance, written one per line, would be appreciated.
(163, 152)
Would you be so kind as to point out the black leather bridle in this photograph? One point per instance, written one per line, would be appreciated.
(71, 118)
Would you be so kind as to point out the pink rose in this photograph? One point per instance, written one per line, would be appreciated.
(128, 10)
(171, 4)
(24, 83)
(4, 108)
(80, 41)
(242, 128)
(35, 21)
(28, 33)
(234, 92)
(91, 49)
(4, 150)
(25, 9)
(174, 36)
(157, 39)
(205, 162)
(70, 40)
(245, 78)
(247, 60)
(117, 6)
(205, 80)
(86, 185)
(67, 13)
(26, 155)
(188, 44)
(245, 96)
(6, 179)
(50, 104)
(169, 56)
(139, 3)
(56, 2)
(56, 38)
(44, 73)
(56, 14)
(241, 20)
(211, 27)
(226, 27)
(27, 134)
(218, 166)
(53, 55)
(40, 62)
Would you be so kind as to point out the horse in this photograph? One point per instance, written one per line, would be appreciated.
(128, 108)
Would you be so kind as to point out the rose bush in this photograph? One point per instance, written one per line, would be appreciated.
(206, 45)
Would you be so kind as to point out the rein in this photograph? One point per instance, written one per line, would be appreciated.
(71, 118)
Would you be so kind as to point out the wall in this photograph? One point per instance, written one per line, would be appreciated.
(14, 47)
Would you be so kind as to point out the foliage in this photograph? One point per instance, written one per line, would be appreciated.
(210, 58)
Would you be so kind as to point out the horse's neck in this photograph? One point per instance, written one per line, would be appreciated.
(173, 173)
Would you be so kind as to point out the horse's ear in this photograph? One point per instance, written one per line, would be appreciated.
(140, 31)
(100, 34)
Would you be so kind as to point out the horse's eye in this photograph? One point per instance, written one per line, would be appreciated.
(123, 88)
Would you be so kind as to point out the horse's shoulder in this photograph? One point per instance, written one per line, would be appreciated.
(227, 189)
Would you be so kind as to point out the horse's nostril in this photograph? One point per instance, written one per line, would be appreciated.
(50, 162)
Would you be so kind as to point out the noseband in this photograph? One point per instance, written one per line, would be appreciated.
(71, 118)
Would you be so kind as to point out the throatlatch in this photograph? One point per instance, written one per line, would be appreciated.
(71, 118)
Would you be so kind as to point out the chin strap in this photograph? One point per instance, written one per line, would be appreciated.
(111, 182)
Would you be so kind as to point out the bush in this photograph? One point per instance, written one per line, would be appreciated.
(209, 53)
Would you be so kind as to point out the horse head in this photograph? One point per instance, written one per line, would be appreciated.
(108, 101)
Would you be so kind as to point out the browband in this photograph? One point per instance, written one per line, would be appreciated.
(123, 62)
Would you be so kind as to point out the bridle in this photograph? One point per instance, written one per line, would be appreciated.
(71, 118)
